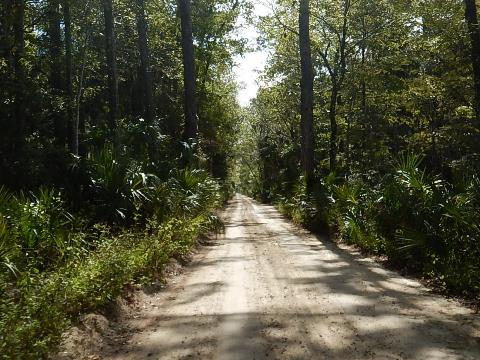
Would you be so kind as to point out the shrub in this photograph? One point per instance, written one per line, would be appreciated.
(53, 267)
(418, 220)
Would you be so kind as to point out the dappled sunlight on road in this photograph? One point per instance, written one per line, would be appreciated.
(267, 289)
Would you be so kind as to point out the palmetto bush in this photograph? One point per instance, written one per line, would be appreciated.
(117, 186)
(191, 192)
(309, 209)
(418, 220)
(410, 201)
(459, 227)
(54, 266)
(35, 229)
(355, 209)
(122, 192)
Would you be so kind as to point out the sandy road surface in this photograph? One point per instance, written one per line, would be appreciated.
(267, 290)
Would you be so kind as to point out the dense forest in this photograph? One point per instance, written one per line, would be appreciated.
(117, 119)
(378, 102)
(121, 136)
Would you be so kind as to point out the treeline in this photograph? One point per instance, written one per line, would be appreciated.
(116, 122)
(369, 126)
(77, 74)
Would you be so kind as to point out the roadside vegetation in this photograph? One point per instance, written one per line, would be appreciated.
(395, 130)
(57, 265)
(423, 224)
(114, 151)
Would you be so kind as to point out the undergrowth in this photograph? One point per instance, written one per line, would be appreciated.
(422, 223)
(56, 265)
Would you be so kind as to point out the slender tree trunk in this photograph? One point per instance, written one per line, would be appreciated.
(6, 45)
(6, 19)
(363, 49)
(19, 70)
(55, 75)
(145, 61)
(191, 124)
(145, 74)
(72, 129)
(112, 72)
(77, 126)
(471, 16)
(348, 139)
(333, 126)
(78, 122)
(306, 84)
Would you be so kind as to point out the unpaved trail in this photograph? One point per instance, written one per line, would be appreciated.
(268, 290)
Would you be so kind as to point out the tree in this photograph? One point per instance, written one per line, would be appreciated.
(306, 85)
(55, 73)
(471, 16)
(83, 74)
(335, 62)
(18, 9)
(190, 105)
(72, 128)
(111, 65)
(145, 73)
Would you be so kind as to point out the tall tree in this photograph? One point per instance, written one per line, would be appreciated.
(145, 73)
(6, 57)
(191, 124)
(336, 64)
(306, 84)
(111, 65)
(471, 16)
(5, 27)
(19, 69)
(72, 127)
(55, 74)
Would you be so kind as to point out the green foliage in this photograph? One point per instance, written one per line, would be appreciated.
(35, 229)
(118, 187)
(196, 189)
(420, 222)
(82, 220)
(352, 208)
(397, 80)
(54, 268)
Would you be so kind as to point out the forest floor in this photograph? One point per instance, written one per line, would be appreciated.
(267, 289)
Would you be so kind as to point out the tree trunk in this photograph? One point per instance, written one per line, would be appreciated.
(72, 128)
(306, 84)
(333, 126)
(363, 51)
(55, 75)
(6, 19)
(19, 70)
(7, 123)
(145, 74)
(111, 66)
(145, 61)
(191, 125)
(471, 16)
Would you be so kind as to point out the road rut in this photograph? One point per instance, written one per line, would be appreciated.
(268, 290)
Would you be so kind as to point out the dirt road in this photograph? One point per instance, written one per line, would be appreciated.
(267, 290)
